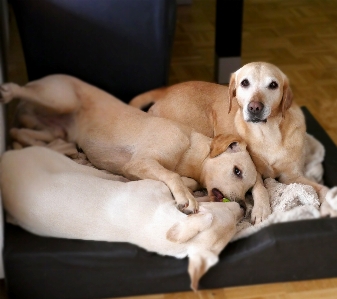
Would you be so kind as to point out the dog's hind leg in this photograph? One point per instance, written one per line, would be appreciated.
(151, 169)
(57, 93)
(28, 137)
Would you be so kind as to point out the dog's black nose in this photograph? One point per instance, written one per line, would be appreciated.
(255, 107)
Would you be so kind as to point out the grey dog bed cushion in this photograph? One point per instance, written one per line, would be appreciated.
(38, 267)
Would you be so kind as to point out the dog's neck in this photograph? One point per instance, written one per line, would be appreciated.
(265, 139)
(259, 131)
(192, 162)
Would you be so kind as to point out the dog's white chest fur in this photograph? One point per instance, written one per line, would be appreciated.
(262, 147)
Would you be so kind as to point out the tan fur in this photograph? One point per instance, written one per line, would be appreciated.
(49, 195)
(127, 141)
(221, 142)
(276, 146)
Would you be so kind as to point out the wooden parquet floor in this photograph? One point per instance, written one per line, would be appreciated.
(315, 289)
(299, 36)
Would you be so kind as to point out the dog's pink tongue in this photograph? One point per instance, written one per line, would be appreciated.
(217, 194)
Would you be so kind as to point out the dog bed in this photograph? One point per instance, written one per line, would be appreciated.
(37, 267)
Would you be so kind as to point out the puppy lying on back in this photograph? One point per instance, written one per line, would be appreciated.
(49, 195)
(258, 105)
(129, 142)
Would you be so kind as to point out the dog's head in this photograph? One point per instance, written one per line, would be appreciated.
(262, 90)
(229, 171)
(206, 234)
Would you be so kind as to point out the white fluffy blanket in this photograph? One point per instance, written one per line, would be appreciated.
(295, 201)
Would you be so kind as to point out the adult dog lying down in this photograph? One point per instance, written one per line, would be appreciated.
(126, 141)
(259, 106)
(48, 194)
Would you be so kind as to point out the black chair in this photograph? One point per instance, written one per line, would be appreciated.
(123, 47)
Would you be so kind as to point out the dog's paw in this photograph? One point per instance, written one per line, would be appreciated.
(189, 205)
(260, 213)
(6, 92)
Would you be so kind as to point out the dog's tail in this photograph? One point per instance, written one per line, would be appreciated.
(199, 263)
(147, 99)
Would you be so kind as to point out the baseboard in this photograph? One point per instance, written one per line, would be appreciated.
(224, 67)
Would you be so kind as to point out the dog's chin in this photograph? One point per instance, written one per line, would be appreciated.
(257, 120)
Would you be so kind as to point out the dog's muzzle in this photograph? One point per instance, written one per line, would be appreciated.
(255, 112)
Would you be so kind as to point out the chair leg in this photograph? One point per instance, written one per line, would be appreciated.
(228, 37)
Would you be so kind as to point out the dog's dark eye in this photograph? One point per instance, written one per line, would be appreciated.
(233, 144)
(245, 83)
(237, 172)
(273, 85)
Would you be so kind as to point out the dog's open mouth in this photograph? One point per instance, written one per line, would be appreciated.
(219, 197)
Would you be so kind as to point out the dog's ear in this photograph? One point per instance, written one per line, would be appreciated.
(287, 97)
(198, 264)
(188, 228)
(226, 143)
(231, 91)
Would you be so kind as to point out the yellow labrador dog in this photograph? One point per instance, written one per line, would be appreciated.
(47, 194)
(129, 142)
(258, 105)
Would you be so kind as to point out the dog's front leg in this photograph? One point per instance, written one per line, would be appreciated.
(261, 209)
(191, 184)
(151, 169)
